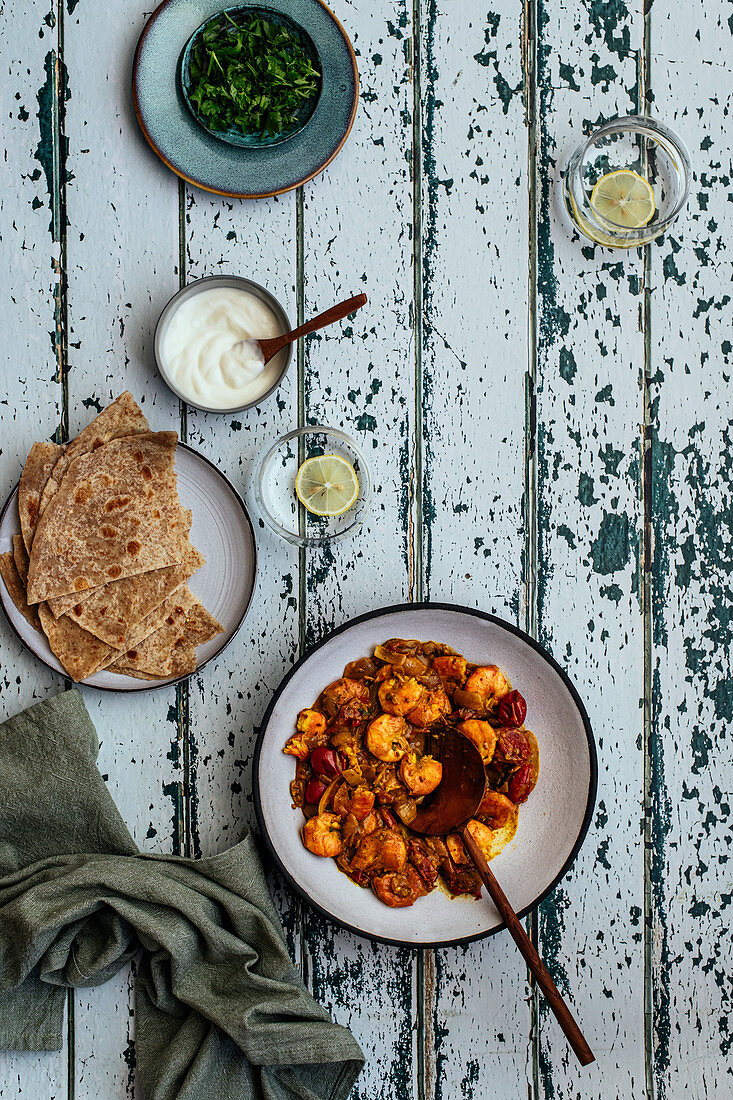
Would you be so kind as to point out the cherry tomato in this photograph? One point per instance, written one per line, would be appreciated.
(325, 761)
(512, 709)
(314, 791)
(521, 784)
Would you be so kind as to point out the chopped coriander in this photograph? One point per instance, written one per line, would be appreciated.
(250, 74)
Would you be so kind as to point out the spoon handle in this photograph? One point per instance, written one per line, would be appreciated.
(538, 969)
(335, 313)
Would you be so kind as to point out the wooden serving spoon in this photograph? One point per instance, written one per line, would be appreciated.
(270, 348)
(448, 810)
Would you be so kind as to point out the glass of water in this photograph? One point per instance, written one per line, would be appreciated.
(627, 183)
(277, 495)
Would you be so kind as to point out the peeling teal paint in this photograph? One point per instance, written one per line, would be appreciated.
(611, 550)
(586, 495)
(568, 367)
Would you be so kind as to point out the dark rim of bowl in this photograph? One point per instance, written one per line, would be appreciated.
(150, 685)
(305, 38)
(182, 293)
(592, 778)
(240, 194)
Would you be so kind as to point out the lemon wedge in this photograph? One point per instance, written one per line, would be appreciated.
(623, 198)
(326, 485)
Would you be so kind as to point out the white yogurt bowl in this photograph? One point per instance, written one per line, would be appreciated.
(275, 370)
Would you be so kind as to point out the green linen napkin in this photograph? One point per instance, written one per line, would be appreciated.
(220, 1011)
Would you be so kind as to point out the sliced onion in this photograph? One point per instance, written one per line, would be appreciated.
(326, 796)
(470, 699)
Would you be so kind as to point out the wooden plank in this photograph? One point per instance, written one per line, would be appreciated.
(122, 256)
(691, 772)
(359, 376)
(475, 286)
(257, 240)
(589, 411)
(31, 407)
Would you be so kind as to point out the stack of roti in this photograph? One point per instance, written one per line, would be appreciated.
(103, 559)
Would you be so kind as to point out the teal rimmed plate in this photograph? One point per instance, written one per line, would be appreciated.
(207, 161)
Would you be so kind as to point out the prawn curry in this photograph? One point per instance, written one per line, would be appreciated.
(364, 765)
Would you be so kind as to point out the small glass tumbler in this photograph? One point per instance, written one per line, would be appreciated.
(275, 486)
(627, 183)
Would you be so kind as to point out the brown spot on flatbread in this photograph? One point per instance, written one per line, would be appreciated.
(133, 547)
(156, 513)
(132, 654)
(147, 473)
(82, 494)
(108, 532)
(80, 584)
(138, 456)
(114, 571)
(77, 609)
(33, 512)
(116, 502)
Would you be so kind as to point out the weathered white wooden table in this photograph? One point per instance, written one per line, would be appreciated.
(549, 427)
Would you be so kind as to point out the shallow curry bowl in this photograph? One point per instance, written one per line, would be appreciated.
(280, 362)
(552, 823)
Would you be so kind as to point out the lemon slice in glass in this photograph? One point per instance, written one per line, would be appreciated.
(623, 198)
(327, 485)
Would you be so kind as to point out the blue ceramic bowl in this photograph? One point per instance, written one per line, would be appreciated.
(235, 136)
(201, 158)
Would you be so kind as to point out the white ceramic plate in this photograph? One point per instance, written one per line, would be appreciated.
(221, 530)
(552, 823)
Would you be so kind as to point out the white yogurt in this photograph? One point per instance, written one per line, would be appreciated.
(200, 354)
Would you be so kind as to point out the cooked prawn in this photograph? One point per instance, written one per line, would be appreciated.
(344, 691)
(482, 835)
(400, 696)
(420, 776)
(361, 803)
(399, 890)
(433, 705)
(451, 667)
(483, 736)
(385, 738)
(385, 849)
(497, 808)
(322, 835)
(489, 682)
(311, 721)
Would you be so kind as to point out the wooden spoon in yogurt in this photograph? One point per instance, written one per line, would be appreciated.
(270, 348)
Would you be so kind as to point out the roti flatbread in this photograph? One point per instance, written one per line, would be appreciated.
(201, 626)
(114, 613)
(64, 605)
(36, 472)
(155, 653)
(183, 663)
(20, 557)
(16, 589)
(123, 417)
(80, 653)
(149, 625)
(116, 515)
(170, 651)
